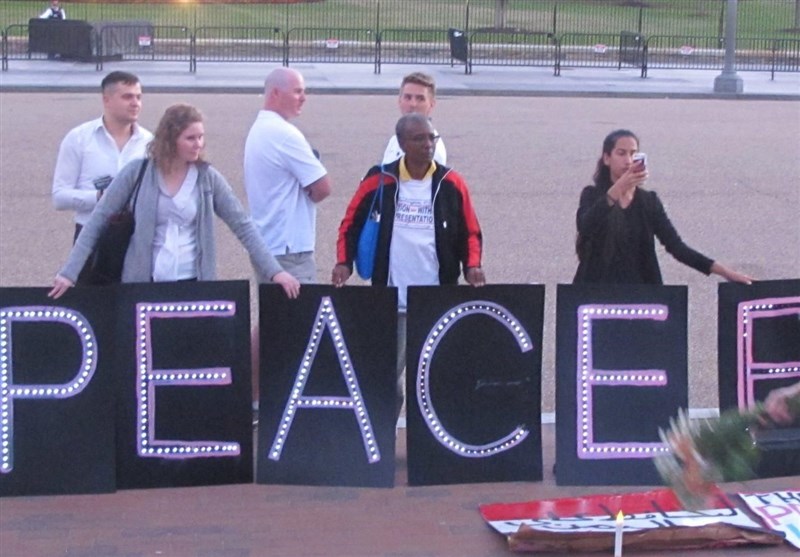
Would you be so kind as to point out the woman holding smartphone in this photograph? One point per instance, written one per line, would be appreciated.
(618, 222)
(177, 197)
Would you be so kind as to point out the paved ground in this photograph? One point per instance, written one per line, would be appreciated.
(360, 78)
(291, 521)
(727, 168)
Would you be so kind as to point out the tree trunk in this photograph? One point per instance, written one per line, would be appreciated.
(500, 13)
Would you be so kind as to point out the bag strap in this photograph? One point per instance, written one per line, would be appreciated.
(378, 195)
(135, 193)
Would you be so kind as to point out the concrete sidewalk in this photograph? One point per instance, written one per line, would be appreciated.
(229, 77)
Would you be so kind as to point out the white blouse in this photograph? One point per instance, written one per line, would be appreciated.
(175, 242)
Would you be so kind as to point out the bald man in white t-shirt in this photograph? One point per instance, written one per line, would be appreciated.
(283, 177)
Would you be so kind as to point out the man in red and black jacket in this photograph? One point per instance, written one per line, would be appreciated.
(435, 218)
(428, 231)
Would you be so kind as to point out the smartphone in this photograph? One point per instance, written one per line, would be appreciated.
(640, 158)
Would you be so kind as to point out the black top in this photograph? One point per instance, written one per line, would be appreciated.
(617, 246)
(55, 13)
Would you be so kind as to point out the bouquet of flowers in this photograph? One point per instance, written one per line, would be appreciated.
(704, 452)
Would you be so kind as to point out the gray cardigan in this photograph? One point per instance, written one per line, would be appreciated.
(216, 196)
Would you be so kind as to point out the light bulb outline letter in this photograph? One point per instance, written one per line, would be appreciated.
(326, 320)
(148, 379)
(589, 377)
(424, 397)
(9, 391)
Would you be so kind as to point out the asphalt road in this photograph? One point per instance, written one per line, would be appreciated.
(728, 172)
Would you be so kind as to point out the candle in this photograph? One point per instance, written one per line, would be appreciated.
(618, 535)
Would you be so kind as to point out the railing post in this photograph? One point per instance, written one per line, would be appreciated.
(193, 51)
(468, 61)
(774, 58)
(5, 50)
(557, 68)
(98, 54)
(377, 68)
(644, 57)
(378, 38)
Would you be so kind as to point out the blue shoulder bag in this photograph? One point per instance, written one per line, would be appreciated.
(368, 239)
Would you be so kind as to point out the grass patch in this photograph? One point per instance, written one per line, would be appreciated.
(757, 18)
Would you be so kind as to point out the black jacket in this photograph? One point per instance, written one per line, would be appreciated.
(459, 242)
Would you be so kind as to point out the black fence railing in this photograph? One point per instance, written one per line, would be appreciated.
(596, 50)
(142, 41)
(781, 55)
(684, 53)
(754, 54)
(425, 46)
(658, 34)
(330, 45)
(12, 48)
(512, 48)
(236, 44)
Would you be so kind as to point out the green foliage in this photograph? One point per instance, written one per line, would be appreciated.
(728, 443)
(704, 452)
(757, 18)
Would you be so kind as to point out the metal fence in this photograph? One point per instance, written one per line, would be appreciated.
(558, 33)
(330, 44)
(754, 54)
(231, 44)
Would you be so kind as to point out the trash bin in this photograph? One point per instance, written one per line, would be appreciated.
(630, 49)
(458, 44)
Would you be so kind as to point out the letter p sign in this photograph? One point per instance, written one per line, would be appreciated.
(9, 391)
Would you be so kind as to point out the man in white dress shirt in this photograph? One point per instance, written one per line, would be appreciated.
(92, 153)
(417, 96)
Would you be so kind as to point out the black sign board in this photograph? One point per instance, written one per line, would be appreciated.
(621, 373)
(183, 378)
(56, 392)
(327, 381)
(759, 350)
(474, 384)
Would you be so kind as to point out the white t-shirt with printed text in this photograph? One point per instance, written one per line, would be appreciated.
(412, 254)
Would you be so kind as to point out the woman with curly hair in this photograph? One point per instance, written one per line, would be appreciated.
(174, 204)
